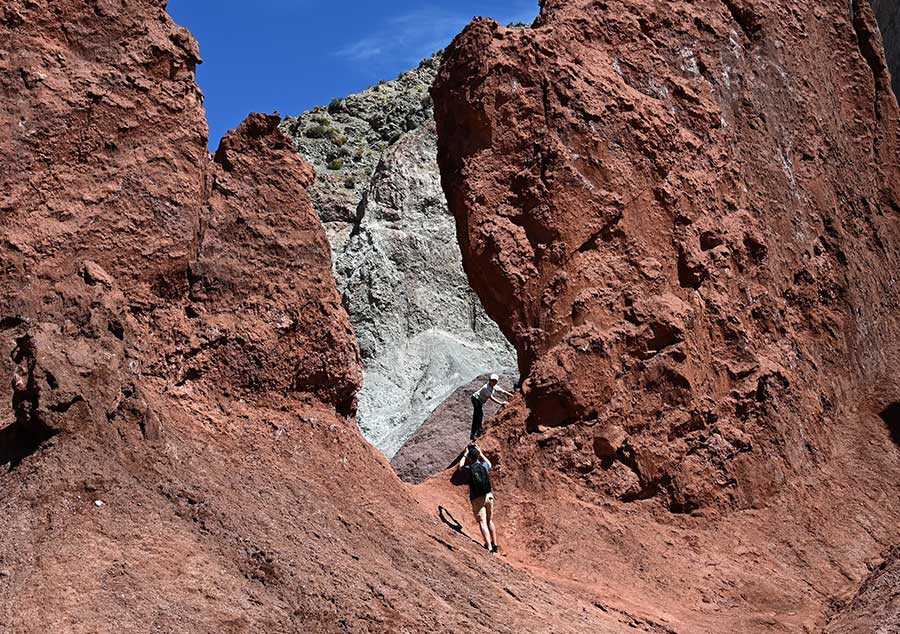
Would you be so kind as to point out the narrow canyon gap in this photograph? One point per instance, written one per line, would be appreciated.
(422, 330)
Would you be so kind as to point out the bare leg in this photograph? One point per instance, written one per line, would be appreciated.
(485, 532)
(490, 523)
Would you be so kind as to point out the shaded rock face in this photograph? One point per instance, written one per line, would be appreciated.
(422, 331)
(876, 607)
(887, 14)
(689, 230)
(441, 438)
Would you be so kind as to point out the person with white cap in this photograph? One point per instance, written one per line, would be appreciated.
(481, 397)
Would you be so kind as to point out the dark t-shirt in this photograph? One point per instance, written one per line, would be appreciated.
(476, 489)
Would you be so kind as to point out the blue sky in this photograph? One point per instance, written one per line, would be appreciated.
(291, 55)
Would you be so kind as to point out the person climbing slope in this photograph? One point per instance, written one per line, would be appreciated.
(481, 494)
(481, 397)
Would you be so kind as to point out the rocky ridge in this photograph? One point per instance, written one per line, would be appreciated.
(422, 331)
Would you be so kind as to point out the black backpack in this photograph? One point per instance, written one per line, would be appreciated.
(479, 480)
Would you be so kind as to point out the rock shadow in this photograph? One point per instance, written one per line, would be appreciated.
(891, 417)
(21, 439)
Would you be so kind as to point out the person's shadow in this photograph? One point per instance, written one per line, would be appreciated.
(448, 519)
(458, 477)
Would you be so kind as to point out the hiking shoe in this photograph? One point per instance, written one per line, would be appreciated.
(495, 548)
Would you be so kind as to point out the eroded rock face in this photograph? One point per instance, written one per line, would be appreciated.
(262, 248)
(677, 245)
(176, 369)
(346, 140)
(422, 331)
(102, 193)
(134, 264)
(688, 228)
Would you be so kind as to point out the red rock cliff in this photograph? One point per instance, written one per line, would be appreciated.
(177, 372)
(682, 223)
(685, 217)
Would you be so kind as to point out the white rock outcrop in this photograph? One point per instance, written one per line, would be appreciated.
(422, 330)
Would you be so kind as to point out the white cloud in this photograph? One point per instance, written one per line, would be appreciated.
(409, 37)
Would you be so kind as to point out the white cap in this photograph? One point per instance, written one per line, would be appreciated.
(494, 377)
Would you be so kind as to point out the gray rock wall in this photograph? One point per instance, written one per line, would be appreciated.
(422, 330)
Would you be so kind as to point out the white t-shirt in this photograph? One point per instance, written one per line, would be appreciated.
(484, 393)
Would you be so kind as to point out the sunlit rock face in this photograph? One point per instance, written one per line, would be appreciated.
(422, 331)
(685, 218)
(679, 238)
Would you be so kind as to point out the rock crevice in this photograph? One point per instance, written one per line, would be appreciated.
(422, 330)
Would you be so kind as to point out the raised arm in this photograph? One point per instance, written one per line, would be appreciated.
(484, 458)
(462, 461)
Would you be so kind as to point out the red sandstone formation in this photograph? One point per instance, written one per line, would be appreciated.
(686, 217)
(177, 373)
(262, 248)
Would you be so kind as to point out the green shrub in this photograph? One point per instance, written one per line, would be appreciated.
(350, 183)
(317, 131)
(339, 140)
(336, 105)
(335, 164)
(322, 120)
(337, 153)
